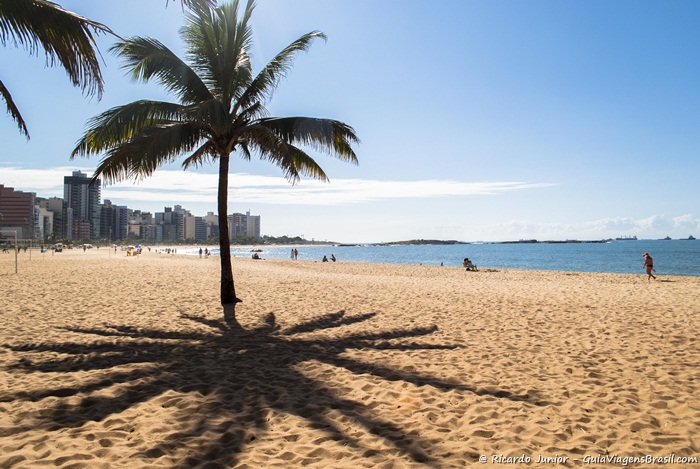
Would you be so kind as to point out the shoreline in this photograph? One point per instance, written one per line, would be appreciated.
(159, 249)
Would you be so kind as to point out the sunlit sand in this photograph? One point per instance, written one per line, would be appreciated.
(116, 361)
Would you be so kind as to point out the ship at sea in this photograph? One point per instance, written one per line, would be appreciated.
(626, 238)
(690, 238)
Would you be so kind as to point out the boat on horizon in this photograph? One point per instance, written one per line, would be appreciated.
(667, 238)
(689, 238)
(626, 238)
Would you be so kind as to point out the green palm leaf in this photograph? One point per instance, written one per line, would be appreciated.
(139, 157)
(121, 123)
(327, 135)
(269, 77)
(13, 110)
(65, 37)
(217, 43)
(147, 58)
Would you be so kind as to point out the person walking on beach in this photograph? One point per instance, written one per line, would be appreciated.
(649, 265)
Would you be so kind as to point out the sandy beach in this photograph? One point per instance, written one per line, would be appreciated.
(109, 361)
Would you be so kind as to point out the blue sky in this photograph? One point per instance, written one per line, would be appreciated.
(495, 120)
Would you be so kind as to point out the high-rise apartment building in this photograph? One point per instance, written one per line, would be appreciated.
(17, 212)
(114, 220)
(253, 225)
(240, 225)
(55, 206)
(195, 229)
(82, 198)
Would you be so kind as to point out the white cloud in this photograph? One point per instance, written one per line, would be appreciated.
(180, 187)
(652, 227)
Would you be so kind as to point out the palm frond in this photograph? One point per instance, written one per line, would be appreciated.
(210, 113)
(271, 147)
(295, 163)
(265, 82)
(65, 37)
(204, 154)
(143, 154)
(118, 125)
(250, 115)
(12, 110)
(217, 42)
(243, 148)
(325, 135)
(147, 58)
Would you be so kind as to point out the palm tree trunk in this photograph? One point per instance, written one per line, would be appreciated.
(228, 292)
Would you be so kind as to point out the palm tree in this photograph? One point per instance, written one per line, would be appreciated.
(221, 111)
(65, 37)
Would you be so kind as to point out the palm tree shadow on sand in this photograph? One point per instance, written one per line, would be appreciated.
(240, 378)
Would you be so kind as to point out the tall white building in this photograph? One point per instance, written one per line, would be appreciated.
(253, 225)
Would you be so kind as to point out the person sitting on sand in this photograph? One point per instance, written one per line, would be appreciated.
(649, 265)
(256, 256)
(469, 265)
(325, 259)
(333, 257)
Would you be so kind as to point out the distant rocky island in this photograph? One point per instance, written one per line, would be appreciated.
(566, 241)
(414, 242)
(438, 242)
(443, 242)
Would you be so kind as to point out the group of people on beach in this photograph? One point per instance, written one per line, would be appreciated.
(7, 250)
(648, 265)
(325, 259)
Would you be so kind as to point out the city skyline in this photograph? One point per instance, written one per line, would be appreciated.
(166, 205)
(499, 121)
(82, 214)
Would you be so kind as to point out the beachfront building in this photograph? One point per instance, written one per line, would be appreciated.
(195, 228)
(17, 212)
(201, 232)
(57, 209)
(82, 199)
(152, 233)
(189, 225)
(240, 226)
(114, 220)
(172, 223)
(44, 222)
(138, 220)
(211, 221)
(211, 218)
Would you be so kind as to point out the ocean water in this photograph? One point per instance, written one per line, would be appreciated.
(671, 257)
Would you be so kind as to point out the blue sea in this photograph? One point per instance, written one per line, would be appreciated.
(671, 257)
